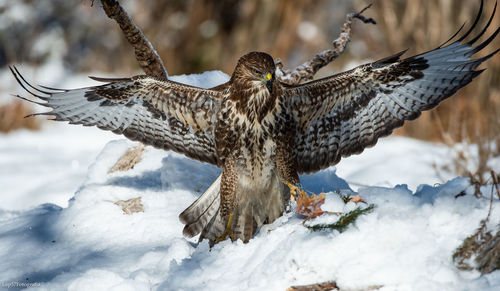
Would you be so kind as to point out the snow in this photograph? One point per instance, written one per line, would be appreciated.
(392, 161)
(60, 228)
(46, 166)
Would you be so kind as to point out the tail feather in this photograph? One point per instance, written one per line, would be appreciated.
(201, 212)
(243, 222)
(254, 208)
(214, 229)
(250, 225)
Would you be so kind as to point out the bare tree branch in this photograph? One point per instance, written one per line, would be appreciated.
(323, 286)
(307, 70)
(152, 65)
(146, 56)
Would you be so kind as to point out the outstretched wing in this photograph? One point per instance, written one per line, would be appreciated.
(160, 113)
(341, 115)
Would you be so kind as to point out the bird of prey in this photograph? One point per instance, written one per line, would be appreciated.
(262, 132)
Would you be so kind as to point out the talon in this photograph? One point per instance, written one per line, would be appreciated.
(294, 191)
(228, 231)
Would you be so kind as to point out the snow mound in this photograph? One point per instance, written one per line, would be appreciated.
(406, 243)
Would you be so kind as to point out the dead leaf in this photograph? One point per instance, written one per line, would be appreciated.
(131, 158)
(357, 199)
(131, 206)
(310, 205)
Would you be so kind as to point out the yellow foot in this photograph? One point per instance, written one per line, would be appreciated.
(294, 191)
(228, 232)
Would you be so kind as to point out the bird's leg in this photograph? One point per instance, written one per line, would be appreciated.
(228, 187)
(227, 231)
(294, 191)
(286, 166)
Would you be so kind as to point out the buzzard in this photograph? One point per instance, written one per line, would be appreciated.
(262, 132)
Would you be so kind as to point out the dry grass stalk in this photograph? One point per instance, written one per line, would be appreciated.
(421, 25)
(472, 157)
(481, 250)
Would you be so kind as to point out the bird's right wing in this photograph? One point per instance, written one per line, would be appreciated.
(160, 113)
(341, 115)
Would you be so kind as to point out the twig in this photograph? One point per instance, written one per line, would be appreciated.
(344, 221)
(495, 182)
(307, 70)
(478, 245)
(151, 63)
(323, 286)
(488, 252)
(146, 56)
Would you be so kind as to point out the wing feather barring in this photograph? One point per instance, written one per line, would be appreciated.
(262, 132)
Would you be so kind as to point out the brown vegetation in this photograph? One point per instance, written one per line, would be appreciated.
(132, 157)
(12, 117)
(481, 250)
(195, 36)
(473, 114)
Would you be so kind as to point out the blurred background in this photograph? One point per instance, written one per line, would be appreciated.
(53, 39)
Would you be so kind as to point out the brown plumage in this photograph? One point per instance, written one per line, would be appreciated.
(261, 132)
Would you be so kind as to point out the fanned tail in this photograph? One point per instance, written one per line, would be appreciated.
(254, 208)
(203, 211)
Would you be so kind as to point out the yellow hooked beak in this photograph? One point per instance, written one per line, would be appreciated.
(266, 77)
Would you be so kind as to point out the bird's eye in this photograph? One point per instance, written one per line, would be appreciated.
(257, 72)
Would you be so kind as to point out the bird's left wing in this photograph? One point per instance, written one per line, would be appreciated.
(160, 113)
(341, 115)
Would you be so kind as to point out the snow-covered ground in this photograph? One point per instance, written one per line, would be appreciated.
(406, 243)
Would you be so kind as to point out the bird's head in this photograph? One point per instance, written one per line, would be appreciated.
(255, 70)
(253, 86)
